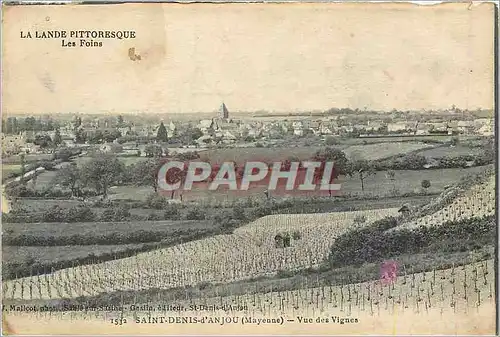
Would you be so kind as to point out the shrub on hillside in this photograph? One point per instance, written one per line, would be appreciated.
(374, 243)
(65, 153)
(17, 190)
(156, 201)
(224, 220)
(239, 213)
(194, 214)
(48, 165)
(261, 211)
(54, 214)
(80, 214)
(154, 217)
(171, 212)
(115, 214)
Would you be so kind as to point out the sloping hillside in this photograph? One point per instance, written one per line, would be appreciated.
(457, 204)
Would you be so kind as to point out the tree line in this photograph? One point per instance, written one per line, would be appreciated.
(15, 125)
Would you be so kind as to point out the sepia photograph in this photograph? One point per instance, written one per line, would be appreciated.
(249, 169)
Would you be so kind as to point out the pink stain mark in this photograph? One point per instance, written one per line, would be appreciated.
(388, 272)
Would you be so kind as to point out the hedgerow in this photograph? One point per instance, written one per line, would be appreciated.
(374, 243)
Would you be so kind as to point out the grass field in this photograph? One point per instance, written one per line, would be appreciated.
(449, 151)
(406, 181)
(241, 155)
(10, 168)
(43, 180)
(126, 160)
(139, 193)
(383, 150)
(132, 160)
(29, 158)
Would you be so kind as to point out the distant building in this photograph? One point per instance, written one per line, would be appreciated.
(396, 127)
(223, 112)
(487, 130)
(206, 125)
(12, 144)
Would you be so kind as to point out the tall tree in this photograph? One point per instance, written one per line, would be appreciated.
(80, 136)
(12, 125)
(70, 177)
(77, 122)
(391, 175)
(191, 134)
(29, 123)
(338, 157)
(50, 125)
(23, 166)
(162, 135)
(57, 138)
(363, 169)
(110, 136)
(175, 175)
(38, 124)
(43, 141)
(9, 126)
(145, 173)
(102, 171)
(120, 121)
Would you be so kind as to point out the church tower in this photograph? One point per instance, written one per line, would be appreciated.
(223, 112)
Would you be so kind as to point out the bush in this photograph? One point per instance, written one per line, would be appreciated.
(296, 235)
(426, 184)
(115, 214)
(150, 239)
(66, 153)
(239, 213)
(153, 217)
(224, 220)
(156, 201)
(330, 140)
(54, 214)
(49, 166)
(261, 211)
(17, 190)
(171, 212)
(80, 214)
(195, 214)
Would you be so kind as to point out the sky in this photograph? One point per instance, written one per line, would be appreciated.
(273, 57)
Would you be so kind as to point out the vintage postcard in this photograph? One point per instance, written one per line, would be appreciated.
(249, 169)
